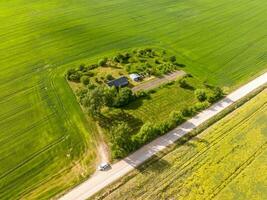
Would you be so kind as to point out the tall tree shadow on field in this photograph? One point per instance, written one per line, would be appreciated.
(112, 119)
(137, 103)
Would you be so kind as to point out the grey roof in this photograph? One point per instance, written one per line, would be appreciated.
(120, 82)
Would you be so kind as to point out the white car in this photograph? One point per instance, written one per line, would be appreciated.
(104, 167)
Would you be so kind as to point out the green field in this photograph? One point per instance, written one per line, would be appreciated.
(46, 143)
(226, 161)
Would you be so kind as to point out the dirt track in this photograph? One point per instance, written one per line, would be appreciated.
(158, 81)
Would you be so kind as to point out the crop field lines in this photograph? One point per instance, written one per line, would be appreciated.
(198, 159)
(38, 40)
(174, 171)
(238, 171)
(23, 111)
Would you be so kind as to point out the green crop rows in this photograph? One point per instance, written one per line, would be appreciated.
(46, 142)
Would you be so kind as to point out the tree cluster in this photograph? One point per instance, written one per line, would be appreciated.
(95, 98)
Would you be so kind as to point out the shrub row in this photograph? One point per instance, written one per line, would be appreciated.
(149, 131)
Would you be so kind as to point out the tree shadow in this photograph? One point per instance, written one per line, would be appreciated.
(192, 142)
(137, 103)
(158, 166)
(114, 118)
(180, 65)
(189, 87)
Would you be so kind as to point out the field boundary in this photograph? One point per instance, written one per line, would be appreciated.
(123, 167)
(114, 186)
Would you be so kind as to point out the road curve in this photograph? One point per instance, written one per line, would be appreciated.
(102, 179)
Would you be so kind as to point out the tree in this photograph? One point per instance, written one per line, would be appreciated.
(175, 119)
(124, 97)
(216, 95)
(188, 111)
(172, 59)
(201, 95)
(75, 77)
(121, 140)
(146, 134)
(70, 72)
(201, 106)
(110, 94)
(85, 80)
(109, 77)
(94, 101)
(102, 62)
(82, 67)
(183, 83)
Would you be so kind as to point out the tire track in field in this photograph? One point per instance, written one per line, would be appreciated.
(20, 133)
(200, 153)
(19, 110)
(195, 156)
(218, 23)
(12, 112)
(239, 169)
(32, 156)
(187, 165)
(24, 90)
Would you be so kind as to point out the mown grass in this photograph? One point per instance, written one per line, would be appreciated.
(223, 41)
(167, 98)
(224, 161)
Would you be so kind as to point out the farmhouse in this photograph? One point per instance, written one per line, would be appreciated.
(135, 77)
(120, 82)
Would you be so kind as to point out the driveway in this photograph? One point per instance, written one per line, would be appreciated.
(158, 81)
(102, 179)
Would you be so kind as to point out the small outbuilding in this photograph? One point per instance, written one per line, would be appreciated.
(120, 82)
(135, 77)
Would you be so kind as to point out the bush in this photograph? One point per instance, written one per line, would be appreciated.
(91, 86)
(141, 94)
(75, 77)
(70, 72)
(97, 80)
(121, 140)
(183, 83)
(175, 119)
(146, 134)
(91, 67)
(199, 106)
(217, 94)
(157, 62)
(161, 128)
(201, 94)
(150, 131)
(82, 67)
(102, 62)
(89, 74)
(188, 112)
(85, 80)
(109, 77)
(94, 101)
(124, 97)
(172, 59)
